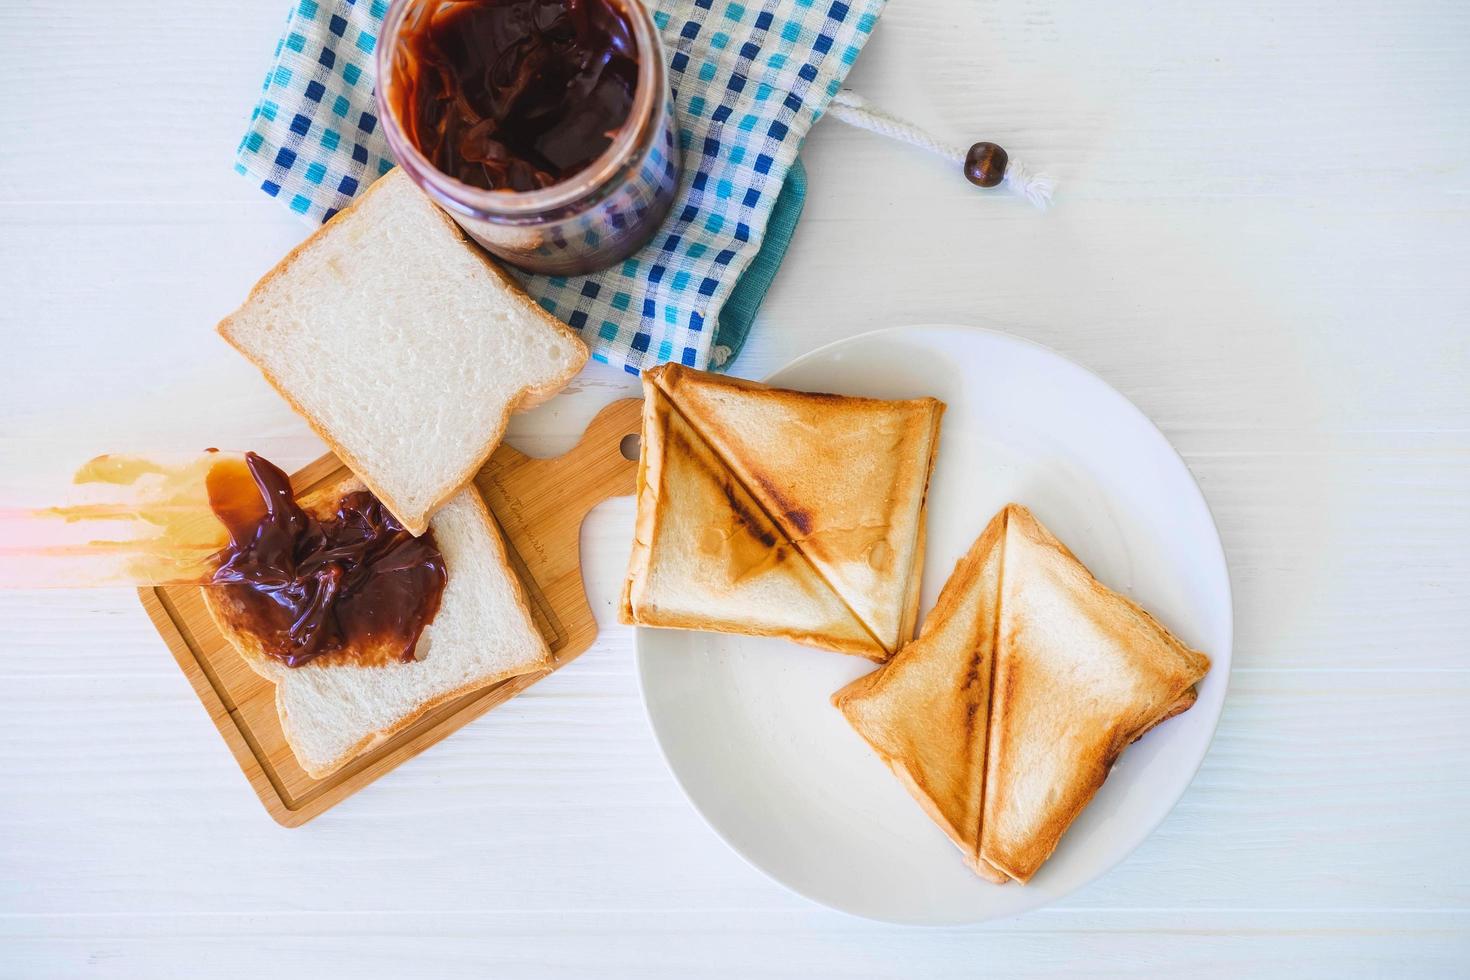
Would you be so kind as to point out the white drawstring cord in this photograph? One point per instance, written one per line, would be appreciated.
(851, 108)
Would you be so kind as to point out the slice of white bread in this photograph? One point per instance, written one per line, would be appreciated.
(1029, 678)
(333, 710)
(845, 478)
(403, 345)
(927, 712)
(705, 556)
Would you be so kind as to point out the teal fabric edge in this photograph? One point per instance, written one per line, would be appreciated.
(738, 314)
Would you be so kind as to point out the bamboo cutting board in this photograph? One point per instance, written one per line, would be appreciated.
(539, 504)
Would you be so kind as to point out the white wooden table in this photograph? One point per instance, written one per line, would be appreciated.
(1261, 238)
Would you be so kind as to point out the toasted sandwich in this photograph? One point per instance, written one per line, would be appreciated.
(1028, 680)
(772, 512)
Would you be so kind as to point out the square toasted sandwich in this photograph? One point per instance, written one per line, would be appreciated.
(770, 512)
(1028, 681)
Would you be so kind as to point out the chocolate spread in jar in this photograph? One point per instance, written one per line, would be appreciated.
(514, 95)
(352, 587)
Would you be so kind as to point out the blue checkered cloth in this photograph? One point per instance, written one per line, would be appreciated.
(749, 80)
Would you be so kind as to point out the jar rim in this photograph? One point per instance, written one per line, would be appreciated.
(500, 205)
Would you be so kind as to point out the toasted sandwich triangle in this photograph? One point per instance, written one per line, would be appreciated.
(927, 712)
(847, 484)
(706, 556)
(1080, 671)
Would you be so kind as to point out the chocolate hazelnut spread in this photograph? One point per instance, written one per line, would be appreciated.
(514, 95)
(356, 583)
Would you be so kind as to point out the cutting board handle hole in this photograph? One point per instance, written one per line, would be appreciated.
(630, 445)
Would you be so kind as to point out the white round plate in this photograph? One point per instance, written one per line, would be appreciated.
(746, 725)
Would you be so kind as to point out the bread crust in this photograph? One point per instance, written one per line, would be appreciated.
(528, 397)
(650, 457)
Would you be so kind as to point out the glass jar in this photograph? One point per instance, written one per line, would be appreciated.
(588, 221)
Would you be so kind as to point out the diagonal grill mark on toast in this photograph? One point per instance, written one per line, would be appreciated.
(744, 516)
(798, 516)
(972, 678)
(1000, 583)
(747, 519)
(816, 569)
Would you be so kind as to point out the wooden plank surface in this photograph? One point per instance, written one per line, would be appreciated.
(1260, 238)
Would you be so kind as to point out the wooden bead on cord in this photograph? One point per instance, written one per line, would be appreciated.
(985, 164)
